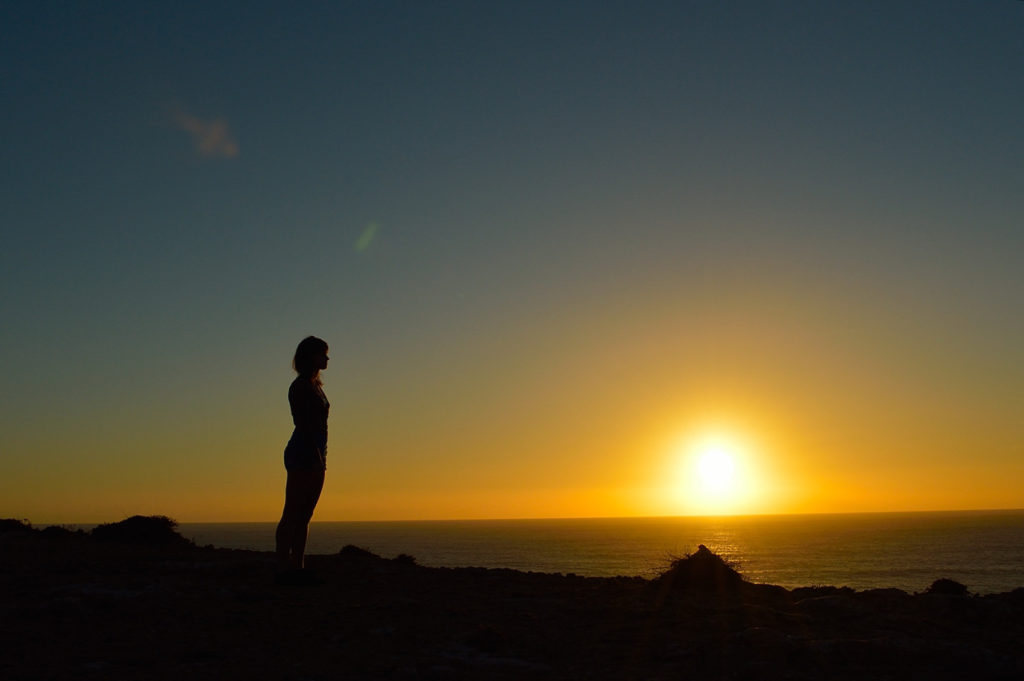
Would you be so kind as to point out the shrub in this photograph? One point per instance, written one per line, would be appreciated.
(154, 529)
(405, 559)
(14, 525)
(947, 587)
(357, 553)
(701, 571)
(59, 531)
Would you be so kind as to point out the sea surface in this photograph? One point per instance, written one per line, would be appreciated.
(982, 549)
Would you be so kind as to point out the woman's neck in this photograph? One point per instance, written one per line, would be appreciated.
(314, 379)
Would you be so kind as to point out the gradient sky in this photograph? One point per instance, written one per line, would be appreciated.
(548, 243)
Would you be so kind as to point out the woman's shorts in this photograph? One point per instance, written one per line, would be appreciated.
(302, 455)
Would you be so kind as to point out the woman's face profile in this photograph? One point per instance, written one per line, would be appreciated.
(321, 360)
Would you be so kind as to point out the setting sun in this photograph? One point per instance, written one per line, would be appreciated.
(716, 468)
(714, 474)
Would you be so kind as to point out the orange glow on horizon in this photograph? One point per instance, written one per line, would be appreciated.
(746, 463)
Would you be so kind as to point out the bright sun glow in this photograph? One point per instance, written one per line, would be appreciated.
(715, 475)
(716, 468)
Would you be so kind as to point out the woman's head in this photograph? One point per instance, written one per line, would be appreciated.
(310, 357)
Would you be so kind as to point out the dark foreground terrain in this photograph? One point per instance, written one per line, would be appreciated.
(138, 606)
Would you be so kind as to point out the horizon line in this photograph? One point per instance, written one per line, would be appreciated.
(542, 518)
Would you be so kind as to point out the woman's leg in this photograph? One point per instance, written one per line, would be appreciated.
(302, 491)
(311, 483)
(283, 536)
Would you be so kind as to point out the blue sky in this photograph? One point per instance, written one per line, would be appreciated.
(592, 205)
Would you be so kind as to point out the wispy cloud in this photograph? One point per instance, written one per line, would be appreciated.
(212, 137)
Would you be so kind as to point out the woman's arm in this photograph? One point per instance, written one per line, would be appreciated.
(308, 410)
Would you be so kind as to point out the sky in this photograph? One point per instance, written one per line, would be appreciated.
(565, 255)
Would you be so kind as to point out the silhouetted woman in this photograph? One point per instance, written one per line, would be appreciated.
(305, 459)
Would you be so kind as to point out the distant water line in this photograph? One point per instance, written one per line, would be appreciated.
(981, 549)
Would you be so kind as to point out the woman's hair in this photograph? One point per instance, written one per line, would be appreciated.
(305, 354)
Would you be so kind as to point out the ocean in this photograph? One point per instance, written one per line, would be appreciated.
(982, 549)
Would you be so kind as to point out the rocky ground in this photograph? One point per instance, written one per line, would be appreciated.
(78, 606)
